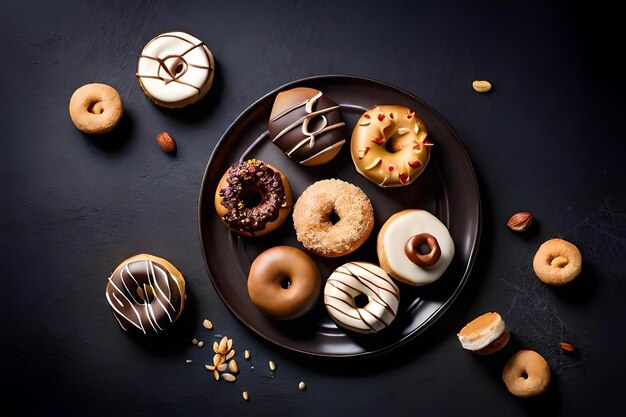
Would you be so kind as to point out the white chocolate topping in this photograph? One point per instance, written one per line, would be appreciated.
(354, 279)
(175, 67)
(396, 232)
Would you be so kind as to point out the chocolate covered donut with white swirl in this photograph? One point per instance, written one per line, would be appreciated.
(361, 297)
(146, 294)
(307, 126)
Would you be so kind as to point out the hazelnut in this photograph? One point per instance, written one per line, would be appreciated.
(166, 142)
(520, 222)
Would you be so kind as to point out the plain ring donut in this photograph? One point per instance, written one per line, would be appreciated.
(526, 374)
(96, 108)
(284, 282)
(557, 262)
(333, 218)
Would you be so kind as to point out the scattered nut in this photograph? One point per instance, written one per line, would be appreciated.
(302, 386)
(215, 347)
(246, 354)
(200, 344)
(481, 86)
(229, 344)
(166, 142)
(209, 367)
(216, 375)
(245, 395)
(568, 347)
(207, 324)
(272, 365)
(221, 348)
(194, 341)
(222, 367)
(520, 222)
(188, 360)
(234, 368)
(218, 359)
(229, 377)
(230, 354)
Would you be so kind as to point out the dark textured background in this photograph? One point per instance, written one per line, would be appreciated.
(549, 139)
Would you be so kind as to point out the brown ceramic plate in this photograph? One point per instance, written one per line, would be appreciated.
(446, 188)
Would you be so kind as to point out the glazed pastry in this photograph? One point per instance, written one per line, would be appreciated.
(415, 247)
(307, 126)
(96, 108)
(333, 218)
(359, 296)
(557, 262)
(526, 374)
(390, 146)
(146, 294)
(284, 282)
(253, 198)
(175, 69)
(485, 334)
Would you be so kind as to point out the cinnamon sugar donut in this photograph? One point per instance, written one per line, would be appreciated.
(333, 218)
(526, 374)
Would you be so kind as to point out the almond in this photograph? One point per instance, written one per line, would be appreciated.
(567, 346)
(520, 222)
(166, 142)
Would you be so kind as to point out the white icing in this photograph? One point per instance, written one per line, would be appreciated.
(353, 279)
(160, 58)
(399, 230)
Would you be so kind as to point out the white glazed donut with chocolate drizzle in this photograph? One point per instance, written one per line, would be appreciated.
(415, 247)
(359, 296)
(307, 126)
(175, 69)
(146, 294)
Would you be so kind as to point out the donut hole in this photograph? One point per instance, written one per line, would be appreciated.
(361, 301)
(285, 283)
(179, 68)
(396, 142)
(315, 124)
(95, 107)
(251, 197)
(524, 375)
(147, 294)
(559, 261)
(423, 248)
(333, 217)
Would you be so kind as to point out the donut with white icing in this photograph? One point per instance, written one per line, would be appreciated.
(146, 294)
(407, 245)
(175, 69)
(359, 296)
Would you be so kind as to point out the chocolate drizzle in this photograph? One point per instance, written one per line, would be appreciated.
(307, 126)
(252, 177)
(144, 296)
(174, 76)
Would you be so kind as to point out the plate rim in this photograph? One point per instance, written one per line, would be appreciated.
(440, 311)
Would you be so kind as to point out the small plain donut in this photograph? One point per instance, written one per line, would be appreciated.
(146, 294)
(284, 282)
(389, 146)
(175, 69)
(526, 374)
(557, 262)
(333, 218)
(96, 108)
(414, 247)
(253, 198)
(359, 296)
(484, 335)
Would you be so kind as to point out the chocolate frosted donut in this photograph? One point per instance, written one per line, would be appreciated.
(307, 126)
(146, 294)
(253, 198)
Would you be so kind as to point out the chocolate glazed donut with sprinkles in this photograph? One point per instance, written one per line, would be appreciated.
(361, 297)
(253, 198)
